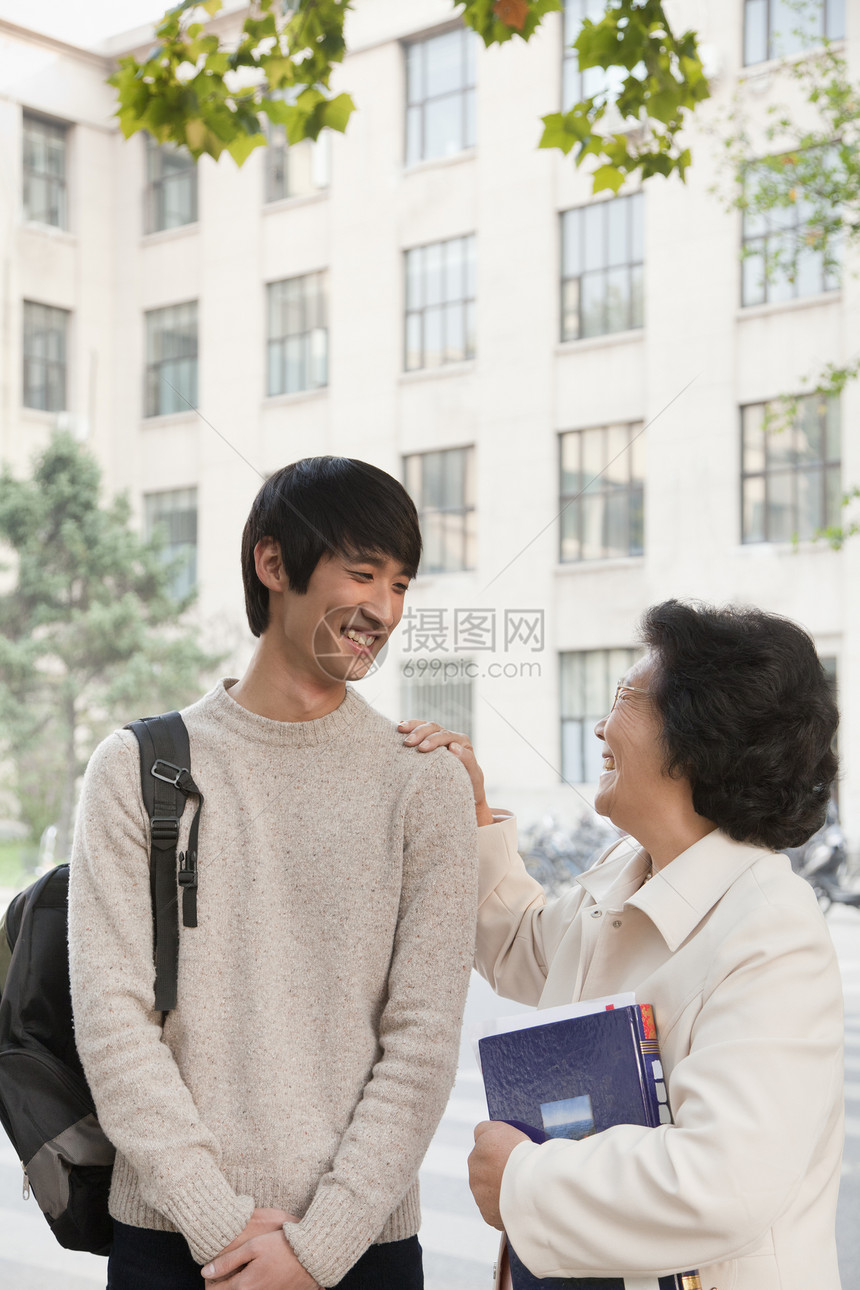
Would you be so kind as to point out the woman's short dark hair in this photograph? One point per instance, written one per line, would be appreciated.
(326, 506)
(748, 718)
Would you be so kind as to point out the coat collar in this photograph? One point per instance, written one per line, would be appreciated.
(680, 895)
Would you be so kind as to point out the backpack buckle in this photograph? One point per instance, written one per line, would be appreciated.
(174, 779)
(164, 828)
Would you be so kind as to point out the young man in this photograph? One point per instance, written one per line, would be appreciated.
(272, 1130)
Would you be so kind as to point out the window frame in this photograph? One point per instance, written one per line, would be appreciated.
(46, 365)
(632, 490)
(456, 715)
(827, 467)
(181, 575)
(156, 186)
(758, 241)
(280, 342)
(61, 129)
(153, 389)
(635, 290)
(278, 150)
(466, 509)
(418, 104)
(616, 661)
(467, 302)
(830, 12)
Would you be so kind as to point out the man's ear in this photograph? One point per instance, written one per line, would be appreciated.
(270, 565)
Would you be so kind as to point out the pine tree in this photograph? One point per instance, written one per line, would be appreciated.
(90, 636)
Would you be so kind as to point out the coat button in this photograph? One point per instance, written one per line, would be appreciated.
(597, 913)
(616, 922)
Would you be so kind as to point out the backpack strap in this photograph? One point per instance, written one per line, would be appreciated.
(166, 782)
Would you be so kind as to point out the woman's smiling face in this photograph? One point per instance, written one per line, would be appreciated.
(633, 754)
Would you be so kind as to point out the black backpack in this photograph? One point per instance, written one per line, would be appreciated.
(46, 1106)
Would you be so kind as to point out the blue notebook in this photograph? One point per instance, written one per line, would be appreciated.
(573, 1078)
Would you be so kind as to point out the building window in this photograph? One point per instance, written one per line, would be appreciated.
(602, 267)
(45, 196)
(46, 336)
(440, 303)
(295, 170)
(791, 477)
(440, 95)
(576, 85)
(783, 253)
(171, 360)
(602, 492)
(438, 689)
(777, 28)
(588, 681)
(442, 486)
(171, 186)
(173, 516)
(297, 334)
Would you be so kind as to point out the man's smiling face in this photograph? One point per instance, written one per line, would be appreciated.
(341, 624)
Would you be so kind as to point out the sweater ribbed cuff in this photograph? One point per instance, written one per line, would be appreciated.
(334, 1233)
(208, 1213)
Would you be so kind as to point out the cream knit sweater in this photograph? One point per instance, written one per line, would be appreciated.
(320, 998)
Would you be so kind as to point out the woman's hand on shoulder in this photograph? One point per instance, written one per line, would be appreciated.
(427, 735)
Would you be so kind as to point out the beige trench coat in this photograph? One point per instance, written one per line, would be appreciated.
(730, 948)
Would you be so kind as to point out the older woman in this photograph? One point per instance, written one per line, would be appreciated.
(716, 754)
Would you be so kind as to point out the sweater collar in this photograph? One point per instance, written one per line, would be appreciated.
(282, 734)
(680, 894)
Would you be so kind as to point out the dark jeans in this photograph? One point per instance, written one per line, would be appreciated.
(145, 1260)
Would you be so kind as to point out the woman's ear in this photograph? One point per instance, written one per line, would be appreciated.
(269, 564)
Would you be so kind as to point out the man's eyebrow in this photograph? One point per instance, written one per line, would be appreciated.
(372, 557)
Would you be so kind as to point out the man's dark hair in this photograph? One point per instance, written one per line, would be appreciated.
(326, 506)
(748, 718)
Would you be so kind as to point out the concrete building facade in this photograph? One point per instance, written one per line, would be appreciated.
(570, 386)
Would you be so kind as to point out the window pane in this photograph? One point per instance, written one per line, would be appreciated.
(753, 272)
(434, 281)
(753, 438)
(754, 510)
(443, 126)
(454, 270)
(594, 248)
(414, 278)
(570, 310)
(755, 32)
(795, 26)
(444, 63)
(809, 271)
(570, 473)
(618, 250)
(414, 135)
(809, 433)
(414, 352)
(593, 542)
(570, 544)
(617, 524)
(780, 507)
(834, 433)
(571, 225)
(455, 334)
(637, 296)
(593, 308)
(617, 465)
(810, 503)
(415, 90)
(572, 764)
(433, 337)
(835, 19)
(833, 495)
(617, 300)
